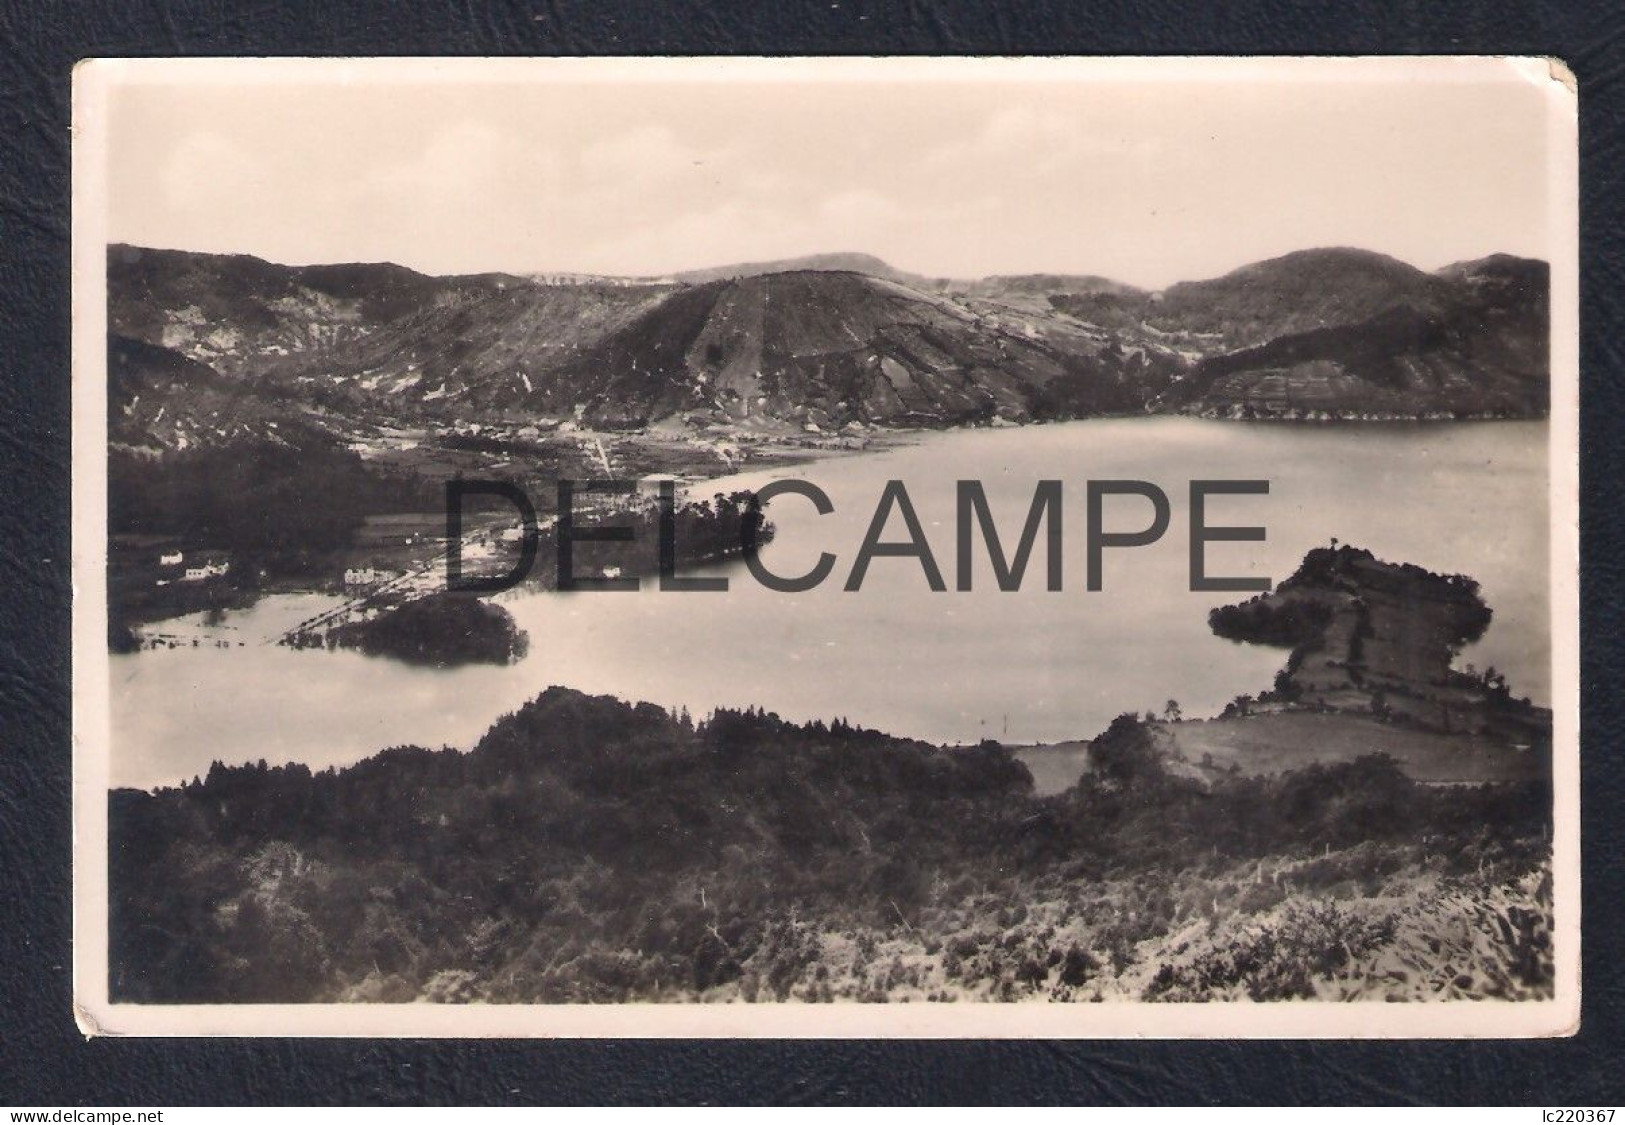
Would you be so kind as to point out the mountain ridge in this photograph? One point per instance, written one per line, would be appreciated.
(807, 344)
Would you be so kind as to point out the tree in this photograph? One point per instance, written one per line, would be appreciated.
(1125, 754)
(1379, 705)
(242, 574)
(1171, 711)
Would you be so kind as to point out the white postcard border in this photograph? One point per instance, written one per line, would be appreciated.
(96, 1015)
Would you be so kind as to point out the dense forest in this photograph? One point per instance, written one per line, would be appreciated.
(281, 507)
(593, 850)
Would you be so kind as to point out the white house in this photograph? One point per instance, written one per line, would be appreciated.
(204, 571)
(171, 558)
(368, 576)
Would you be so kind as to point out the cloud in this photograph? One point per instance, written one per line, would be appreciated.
(646, 152)
(862, 208)
(206, 167)
(1026, 141)
(1153, 182)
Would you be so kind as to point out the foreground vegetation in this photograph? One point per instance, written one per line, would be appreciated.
(591, 850)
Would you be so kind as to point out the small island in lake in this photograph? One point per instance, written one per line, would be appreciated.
(418, 617)
(443, 630)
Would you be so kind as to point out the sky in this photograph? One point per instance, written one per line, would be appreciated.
(1149, 180)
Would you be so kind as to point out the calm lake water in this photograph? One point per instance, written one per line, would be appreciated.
(1029, 666)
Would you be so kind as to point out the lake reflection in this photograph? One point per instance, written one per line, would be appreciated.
(1027, 666)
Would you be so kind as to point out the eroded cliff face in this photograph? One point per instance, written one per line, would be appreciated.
(1378, 638)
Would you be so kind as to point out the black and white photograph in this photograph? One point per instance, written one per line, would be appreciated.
(814, 547)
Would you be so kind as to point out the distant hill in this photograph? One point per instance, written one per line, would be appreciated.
(159, 400)
(810, 263)
(242, 315)
(1299, 292)
(829, 348)
(1346, 332)
(997, 285)
(831, 341)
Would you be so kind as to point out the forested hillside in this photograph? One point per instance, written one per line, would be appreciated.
(593, 850)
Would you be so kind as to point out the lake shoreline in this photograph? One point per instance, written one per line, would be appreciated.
(776, 455)
(887, 656)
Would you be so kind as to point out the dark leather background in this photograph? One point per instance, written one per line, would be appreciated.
(43, 1059)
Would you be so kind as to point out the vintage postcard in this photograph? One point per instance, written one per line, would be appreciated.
(826, 547)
